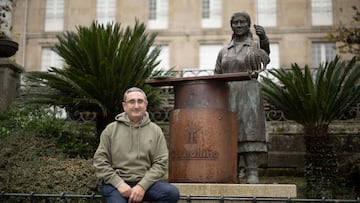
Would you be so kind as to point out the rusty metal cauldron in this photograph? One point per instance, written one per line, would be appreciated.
(203, 132)
(203, 141)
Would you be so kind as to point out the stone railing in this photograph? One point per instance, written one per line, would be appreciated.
(162, 113)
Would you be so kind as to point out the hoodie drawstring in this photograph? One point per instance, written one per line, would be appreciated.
(138, 147)
(131, 138)
(138, 140)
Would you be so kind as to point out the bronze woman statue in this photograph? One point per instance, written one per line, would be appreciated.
(243, 54)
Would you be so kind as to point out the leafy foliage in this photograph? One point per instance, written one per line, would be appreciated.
(348, 35)
(101, 62)
(74, 139)
(315, 101)
(31, 163)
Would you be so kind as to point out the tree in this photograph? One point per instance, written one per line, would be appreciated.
(314, 102)
(348, 35)
(101, 62)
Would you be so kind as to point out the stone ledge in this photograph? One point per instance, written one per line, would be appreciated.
(237, 190)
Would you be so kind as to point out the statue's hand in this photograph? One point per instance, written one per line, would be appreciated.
(257, 60)
(260, 31)
(253, 74)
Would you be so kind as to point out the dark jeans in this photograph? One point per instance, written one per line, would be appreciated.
(160, 191)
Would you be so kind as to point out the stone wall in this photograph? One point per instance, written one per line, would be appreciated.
(9, 82)
(287, 148)
(286, 142)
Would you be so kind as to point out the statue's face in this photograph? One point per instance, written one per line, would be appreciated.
(240, 25)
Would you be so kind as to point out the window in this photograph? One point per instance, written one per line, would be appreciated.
(274, 56)
(163, 57)
(322, 52)
(211, 14)
(321, 12)
(50, 59)
(266, 13)
(274, 60)
(207, 56)
(158, 14)
(105, 11)
(205, 9)
(152, 9)
(54, 15)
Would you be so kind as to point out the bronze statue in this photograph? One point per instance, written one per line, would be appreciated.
(244, 54)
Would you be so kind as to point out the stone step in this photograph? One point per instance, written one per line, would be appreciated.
(235, 190)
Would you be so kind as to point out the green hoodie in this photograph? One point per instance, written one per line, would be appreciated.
(128, 153)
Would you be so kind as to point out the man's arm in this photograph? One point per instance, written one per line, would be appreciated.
(102, 161)
(160, 162)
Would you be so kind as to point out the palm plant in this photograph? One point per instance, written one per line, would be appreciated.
(101, 62)
(314, 102)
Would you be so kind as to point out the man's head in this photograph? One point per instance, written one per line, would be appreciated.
(135, 104)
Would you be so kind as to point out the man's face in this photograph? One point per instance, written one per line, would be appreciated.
(240, 25)
(135, 106)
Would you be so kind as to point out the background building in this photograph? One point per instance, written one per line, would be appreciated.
(190, 31)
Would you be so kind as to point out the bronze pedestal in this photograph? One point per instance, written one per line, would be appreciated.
(203, 132)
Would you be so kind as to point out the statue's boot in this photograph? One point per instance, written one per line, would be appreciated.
(251, 163)
(252, 176)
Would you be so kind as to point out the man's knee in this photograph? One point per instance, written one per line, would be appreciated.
(174, 194)
(170, 193)
(163, 192)
(111, 194)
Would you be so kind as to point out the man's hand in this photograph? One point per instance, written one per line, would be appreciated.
(137, 194)
(124, 189)
(260, 31)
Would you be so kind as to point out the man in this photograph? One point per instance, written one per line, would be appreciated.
(132, 156)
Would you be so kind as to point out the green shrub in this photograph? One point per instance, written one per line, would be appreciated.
(74, 139)
(30, 163)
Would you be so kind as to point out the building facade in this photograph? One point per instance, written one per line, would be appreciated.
(191, 32)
